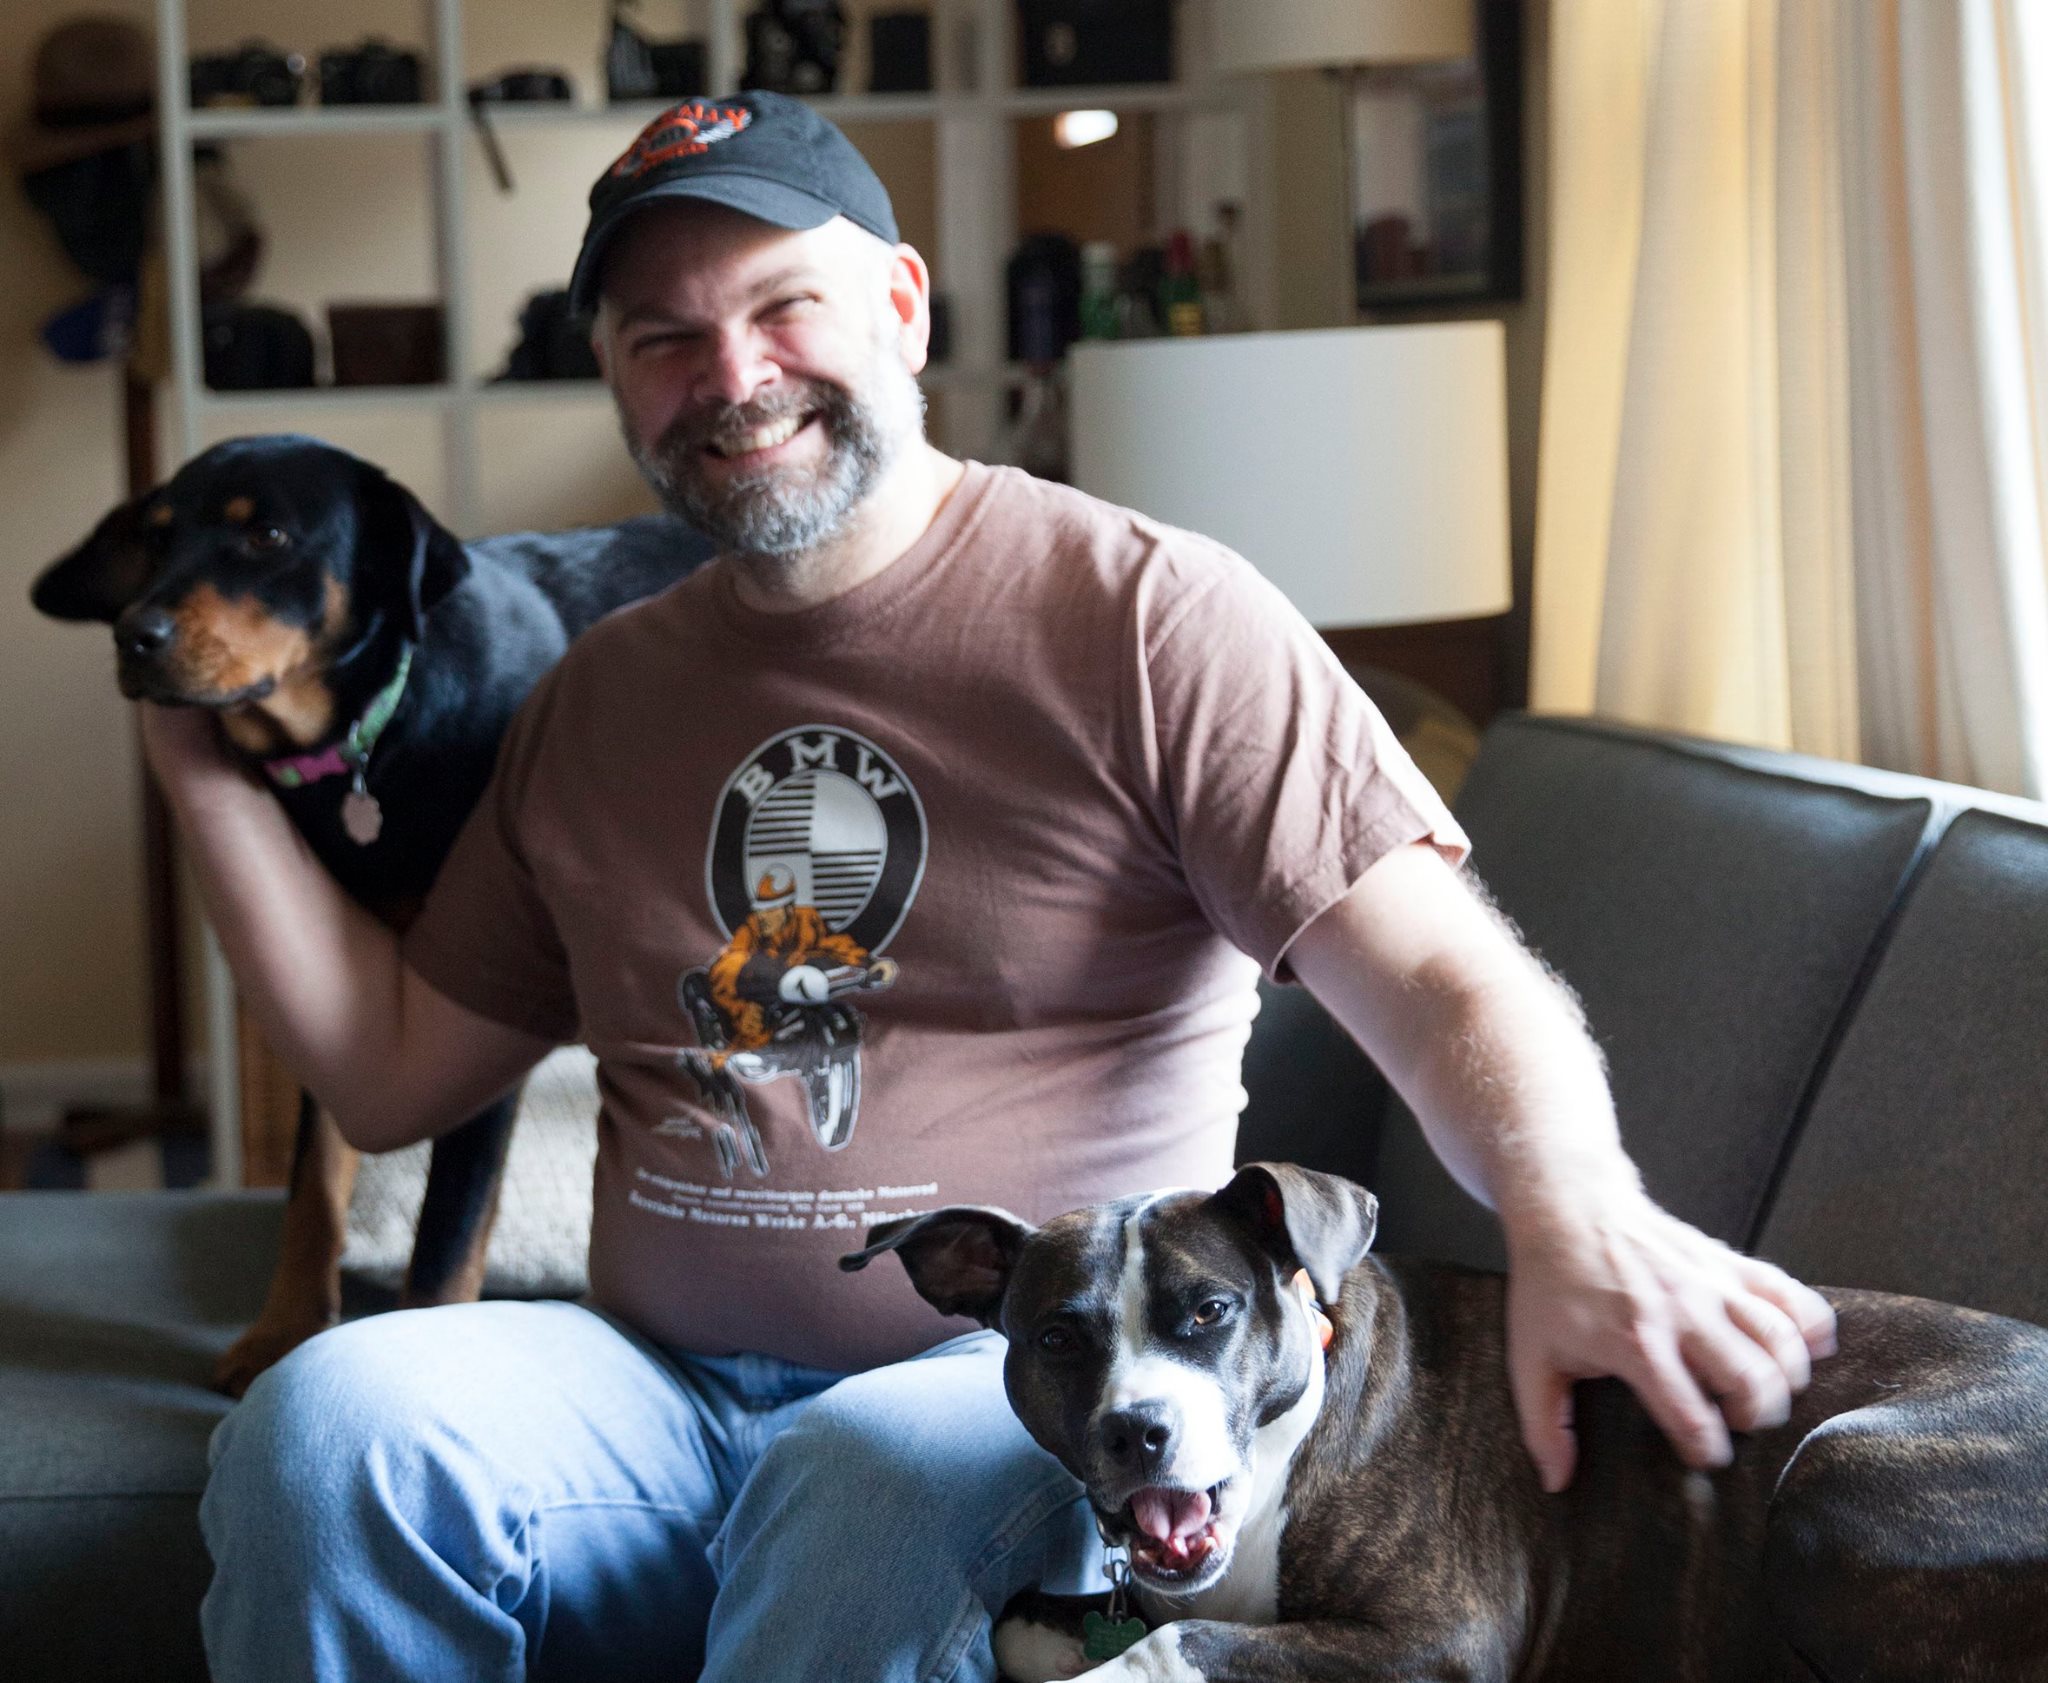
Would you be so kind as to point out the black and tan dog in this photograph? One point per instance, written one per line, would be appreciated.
(369, 662)
(1369, 1514)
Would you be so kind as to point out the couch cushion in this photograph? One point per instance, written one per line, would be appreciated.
(1921, 1165)
(113, 1308)
(1712, 907)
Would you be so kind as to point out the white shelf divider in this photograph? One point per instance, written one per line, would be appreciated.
(451, 253)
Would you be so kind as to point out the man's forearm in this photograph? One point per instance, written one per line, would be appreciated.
(1489, 1050)
(1510, 1088)
(321, 975)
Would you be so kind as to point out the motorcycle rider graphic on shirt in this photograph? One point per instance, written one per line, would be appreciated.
(825, 840)
(783, 956)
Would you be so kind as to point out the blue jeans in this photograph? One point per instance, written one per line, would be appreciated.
(505, 1490)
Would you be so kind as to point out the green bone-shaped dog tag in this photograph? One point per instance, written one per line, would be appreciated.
(1104, 1639)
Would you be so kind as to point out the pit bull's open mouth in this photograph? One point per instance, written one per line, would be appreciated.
(1178, 1537)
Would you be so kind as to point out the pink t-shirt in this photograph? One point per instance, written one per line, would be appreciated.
(954, 889)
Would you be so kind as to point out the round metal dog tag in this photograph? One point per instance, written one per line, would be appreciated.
(361, 817)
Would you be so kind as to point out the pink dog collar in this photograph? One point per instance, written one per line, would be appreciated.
(351, 755)
(295, 770)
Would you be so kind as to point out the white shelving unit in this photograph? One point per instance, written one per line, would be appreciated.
(971, 110)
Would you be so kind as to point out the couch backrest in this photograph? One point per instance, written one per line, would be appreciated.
(1922, 1166)
(1714, 908)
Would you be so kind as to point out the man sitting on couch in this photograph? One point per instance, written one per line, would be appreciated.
(1064, 780)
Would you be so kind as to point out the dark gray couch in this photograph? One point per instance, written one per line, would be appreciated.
(1823, 993)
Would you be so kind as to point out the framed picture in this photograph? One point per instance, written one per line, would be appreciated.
(1435, 172)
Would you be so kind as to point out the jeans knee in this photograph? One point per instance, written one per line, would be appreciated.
(867, 1440)
(855, 1451)
(295, 1431)
(339, 1438)
(869, 1470)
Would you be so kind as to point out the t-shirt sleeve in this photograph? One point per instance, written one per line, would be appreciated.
(485, 936)
(1279, 780)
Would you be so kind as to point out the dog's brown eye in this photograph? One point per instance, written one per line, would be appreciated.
(1212, 1311)
(267, 537)
(1056, 1341)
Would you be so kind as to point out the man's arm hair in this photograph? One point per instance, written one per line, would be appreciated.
(1489, 902)
(1478, 1034)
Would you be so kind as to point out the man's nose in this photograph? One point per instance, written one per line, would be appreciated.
(1140, 1439)
(739, 367)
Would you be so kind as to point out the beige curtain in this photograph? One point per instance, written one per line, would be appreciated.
(1795, 417)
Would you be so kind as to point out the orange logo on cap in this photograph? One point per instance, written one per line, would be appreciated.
(682, 132)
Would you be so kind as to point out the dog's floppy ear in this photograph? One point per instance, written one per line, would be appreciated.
(959, 1259)
(1303, 1219)
(407, 552)
(102, 575)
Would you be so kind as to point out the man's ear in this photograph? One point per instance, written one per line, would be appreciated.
(102, 575)
(910, 306)
(959, 1259)
(405, 557)
(1303, 1219)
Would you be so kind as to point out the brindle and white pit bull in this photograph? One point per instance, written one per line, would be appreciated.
(1370, 1514)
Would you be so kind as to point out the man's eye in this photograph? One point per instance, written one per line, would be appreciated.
(795, 305)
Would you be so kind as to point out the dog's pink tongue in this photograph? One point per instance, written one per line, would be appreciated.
(1164, 1514)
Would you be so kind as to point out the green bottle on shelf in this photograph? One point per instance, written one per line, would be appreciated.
(1099, 313)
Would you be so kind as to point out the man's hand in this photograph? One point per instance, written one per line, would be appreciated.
(183, 746)
(1708, 1339)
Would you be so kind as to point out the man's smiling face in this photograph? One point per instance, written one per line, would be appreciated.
(765, 379)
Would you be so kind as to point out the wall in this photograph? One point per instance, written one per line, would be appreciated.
(70, 946)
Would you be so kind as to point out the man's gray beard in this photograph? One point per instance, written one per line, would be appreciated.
(777, 515)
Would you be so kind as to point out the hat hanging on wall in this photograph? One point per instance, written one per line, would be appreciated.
(86, 159)
(94, 87)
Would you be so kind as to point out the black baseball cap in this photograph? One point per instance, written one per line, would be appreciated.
(766, 154)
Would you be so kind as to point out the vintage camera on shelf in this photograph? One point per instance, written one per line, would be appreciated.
(636, 66)
(255, 347)
(554, 342)
(255, 73)
(524, 86)
(793, 46)
(371, 73)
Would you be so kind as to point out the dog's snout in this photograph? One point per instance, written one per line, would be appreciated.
(144, 631)
(1140, 1439)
